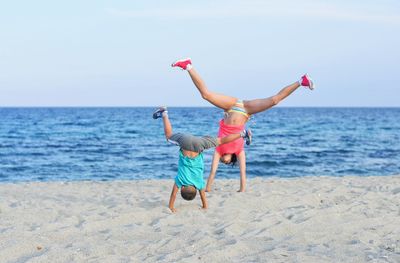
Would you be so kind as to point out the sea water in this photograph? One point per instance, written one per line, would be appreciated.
(51, 144)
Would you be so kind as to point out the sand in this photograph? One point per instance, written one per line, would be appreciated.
(309, 219)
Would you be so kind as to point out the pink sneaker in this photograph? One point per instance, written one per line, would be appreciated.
(185, 64)
(306, 81)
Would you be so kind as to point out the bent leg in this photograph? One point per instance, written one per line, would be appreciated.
(213, 172)
(242, 167)
(221, 101)
(259, 105)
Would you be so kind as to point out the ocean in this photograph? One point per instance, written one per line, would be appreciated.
(69, 144)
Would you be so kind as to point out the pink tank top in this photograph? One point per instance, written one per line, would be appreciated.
(236, 146)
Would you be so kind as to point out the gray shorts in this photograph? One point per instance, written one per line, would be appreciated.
(192, 143)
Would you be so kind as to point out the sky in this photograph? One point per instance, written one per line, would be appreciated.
(118, 53)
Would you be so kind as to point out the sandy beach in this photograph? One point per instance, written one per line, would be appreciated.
(310, 219)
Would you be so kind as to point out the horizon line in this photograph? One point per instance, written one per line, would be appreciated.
(175, 106)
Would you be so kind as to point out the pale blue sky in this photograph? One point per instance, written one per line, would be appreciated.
(118, 53)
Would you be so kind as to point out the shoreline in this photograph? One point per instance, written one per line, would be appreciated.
(263, 178)
(304, 219)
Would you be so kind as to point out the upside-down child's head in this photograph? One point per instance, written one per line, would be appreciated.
(188, 192)
(229, 158)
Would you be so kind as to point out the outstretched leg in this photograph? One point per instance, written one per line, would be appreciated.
(163, 113)
(167, 126)
(259, 105)
(221, 101)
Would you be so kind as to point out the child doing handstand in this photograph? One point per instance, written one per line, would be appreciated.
(191, 165)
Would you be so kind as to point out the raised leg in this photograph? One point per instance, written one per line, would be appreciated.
(214, 167)
(259, 105)
(219, 100)
(167, 126)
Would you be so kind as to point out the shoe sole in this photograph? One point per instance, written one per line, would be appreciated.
(155, 116)
(312, 86)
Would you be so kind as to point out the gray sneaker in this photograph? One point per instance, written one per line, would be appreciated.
(247, 136)
(158, 113)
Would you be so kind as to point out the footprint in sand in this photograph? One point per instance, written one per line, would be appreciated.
(80, 223)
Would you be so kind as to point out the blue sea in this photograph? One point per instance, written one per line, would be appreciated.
(53, 144)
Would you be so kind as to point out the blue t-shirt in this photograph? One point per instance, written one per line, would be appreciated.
(190, 171)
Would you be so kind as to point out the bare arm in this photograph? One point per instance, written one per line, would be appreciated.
(242, 167)
(214, 167)
(173, 198)
(203, 199)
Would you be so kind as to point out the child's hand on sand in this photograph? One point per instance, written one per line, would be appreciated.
(173, 209)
